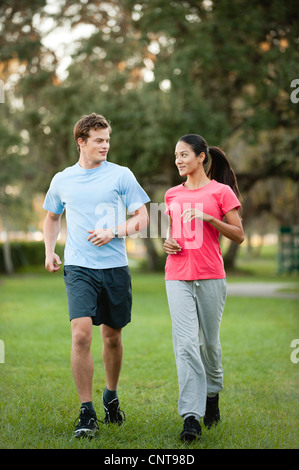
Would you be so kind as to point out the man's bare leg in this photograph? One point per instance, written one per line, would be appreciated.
(81, 358)
(112, 355)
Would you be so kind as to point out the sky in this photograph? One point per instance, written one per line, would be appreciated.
(61, 40)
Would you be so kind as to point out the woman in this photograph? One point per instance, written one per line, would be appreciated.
(195, 276)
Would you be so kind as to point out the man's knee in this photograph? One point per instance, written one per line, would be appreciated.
(111, 337)
(81, 332)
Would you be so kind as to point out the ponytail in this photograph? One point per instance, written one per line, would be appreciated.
(221, 171)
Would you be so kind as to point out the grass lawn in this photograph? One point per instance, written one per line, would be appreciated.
(39, 402)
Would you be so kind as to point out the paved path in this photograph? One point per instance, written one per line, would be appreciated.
(262, 289)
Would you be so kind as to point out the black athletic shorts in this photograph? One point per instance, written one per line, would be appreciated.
(103, 294)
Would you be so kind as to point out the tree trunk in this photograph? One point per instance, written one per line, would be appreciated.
(8, 264)
(231, 255)
(155, 261)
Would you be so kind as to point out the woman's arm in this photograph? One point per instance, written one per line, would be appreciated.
(171, 246)
(231, 229)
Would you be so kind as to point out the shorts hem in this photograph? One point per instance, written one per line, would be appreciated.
(96, 322)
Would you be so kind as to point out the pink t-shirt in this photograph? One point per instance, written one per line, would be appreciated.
(200, 257)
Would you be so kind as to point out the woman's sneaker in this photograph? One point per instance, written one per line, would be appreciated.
(192, 429)
(113, 414)
(86, 423)
(212, 415)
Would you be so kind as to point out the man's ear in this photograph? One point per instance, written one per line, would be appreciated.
(80, 141)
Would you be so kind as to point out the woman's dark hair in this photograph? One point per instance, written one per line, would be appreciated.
(219, 167)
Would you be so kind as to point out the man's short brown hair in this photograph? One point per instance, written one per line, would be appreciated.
(87, 122)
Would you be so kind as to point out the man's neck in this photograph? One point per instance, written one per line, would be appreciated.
(89, 164)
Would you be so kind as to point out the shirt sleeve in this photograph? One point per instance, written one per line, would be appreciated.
(53, 201)
(132, 192)
(228, 200)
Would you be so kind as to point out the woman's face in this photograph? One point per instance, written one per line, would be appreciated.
(186, 160)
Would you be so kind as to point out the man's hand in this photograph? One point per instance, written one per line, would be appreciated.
(100, 236)
(52, 263)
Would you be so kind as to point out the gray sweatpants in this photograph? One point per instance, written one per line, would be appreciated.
(196, 309)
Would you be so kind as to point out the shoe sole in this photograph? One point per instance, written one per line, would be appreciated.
(85, 432)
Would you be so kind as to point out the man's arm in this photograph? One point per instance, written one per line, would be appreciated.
(137, 223)
(51, 232)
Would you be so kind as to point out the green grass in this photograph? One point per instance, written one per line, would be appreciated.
(264, 267)
(259, 403)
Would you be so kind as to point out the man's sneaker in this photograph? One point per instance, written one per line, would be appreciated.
(113, 414)
(192, 429)
(212, 415)
(86, 423)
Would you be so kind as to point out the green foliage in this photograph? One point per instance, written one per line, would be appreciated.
(229, 66)
(24, 254)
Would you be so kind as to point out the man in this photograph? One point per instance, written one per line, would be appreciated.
(95, 194)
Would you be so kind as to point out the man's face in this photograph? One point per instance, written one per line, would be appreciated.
(94, 150)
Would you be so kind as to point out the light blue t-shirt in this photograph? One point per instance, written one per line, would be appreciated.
(93, 199)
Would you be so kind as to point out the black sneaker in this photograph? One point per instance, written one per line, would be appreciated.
(113, 414)
(192, 429)
(86, 423)
(212, 415)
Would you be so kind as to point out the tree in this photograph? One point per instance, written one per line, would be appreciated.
(159, 70)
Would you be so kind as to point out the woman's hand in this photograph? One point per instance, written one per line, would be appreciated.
(190, 214)
(171, 246)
